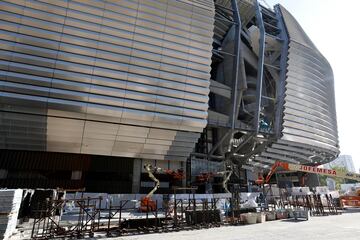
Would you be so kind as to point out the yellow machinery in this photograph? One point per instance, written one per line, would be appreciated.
(147, 204)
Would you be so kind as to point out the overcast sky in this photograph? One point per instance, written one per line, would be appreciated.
(334, 27)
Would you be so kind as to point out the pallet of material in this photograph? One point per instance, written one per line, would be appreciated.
(10, 200)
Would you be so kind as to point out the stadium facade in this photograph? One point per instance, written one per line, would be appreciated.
(90, 91)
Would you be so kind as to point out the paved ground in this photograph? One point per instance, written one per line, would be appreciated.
(345, 226)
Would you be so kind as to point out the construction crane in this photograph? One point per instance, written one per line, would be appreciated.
(351, 200)
(146, 203)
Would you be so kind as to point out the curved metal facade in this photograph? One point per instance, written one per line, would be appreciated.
(308, 128)
(309, 111)
(127, 78)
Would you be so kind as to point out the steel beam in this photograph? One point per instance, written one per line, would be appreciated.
(207, 156)
(217, 145)
(280, 86)
(260, 73)
(236, 64)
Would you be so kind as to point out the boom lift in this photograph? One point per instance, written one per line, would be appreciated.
(206, 176)
(147, 204)
(351, 200)
(226, 177)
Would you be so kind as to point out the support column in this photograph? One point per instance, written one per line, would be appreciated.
(136, 176)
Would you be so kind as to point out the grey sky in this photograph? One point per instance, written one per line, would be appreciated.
(334, 28)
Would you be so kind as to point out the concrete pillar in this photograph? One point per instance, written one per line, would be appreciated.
(136, 176)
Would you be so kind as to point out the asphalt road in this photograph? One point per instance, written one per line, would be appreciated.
(345, 226)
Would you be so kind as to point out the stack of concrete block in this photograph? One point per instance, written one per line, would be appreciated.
(10, 200)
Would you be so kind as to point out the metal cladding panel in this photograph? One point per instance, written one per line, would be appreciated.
(309, 111)
(309, 128)
(124, 78)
